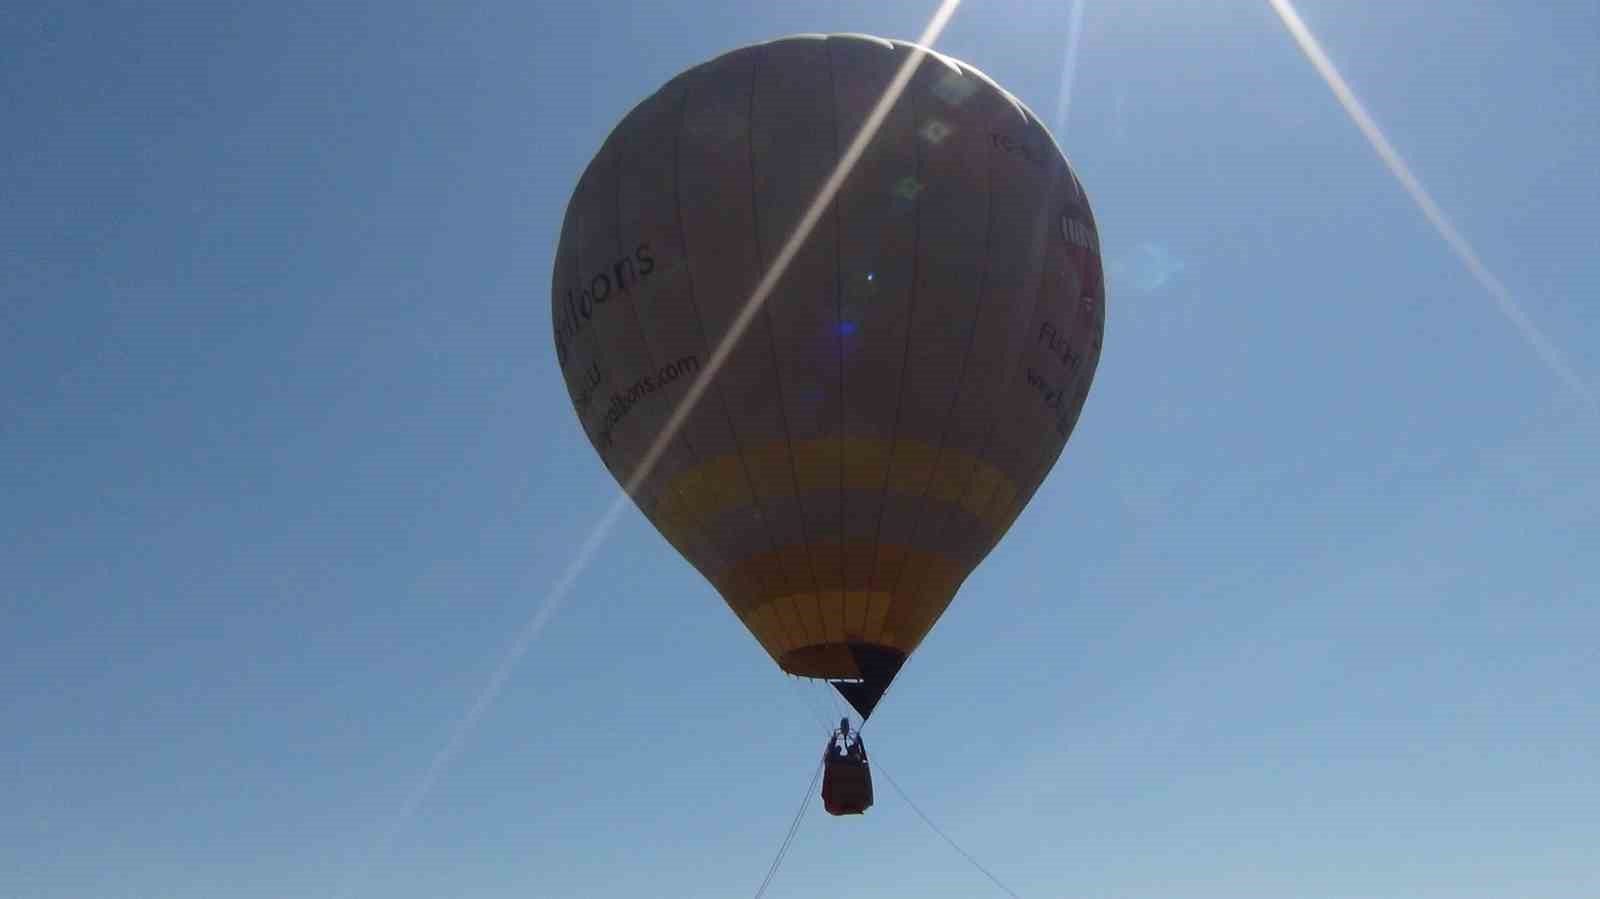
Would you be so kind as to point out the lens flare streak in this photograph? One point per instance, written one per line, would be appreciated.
(1542, 345)
(562, 588)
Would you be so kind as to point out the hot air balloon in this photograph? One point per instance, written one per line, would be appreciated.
(902, 390)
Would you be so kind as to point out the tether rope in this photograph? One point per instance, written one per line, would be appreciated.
(788, 839)
(953, 844)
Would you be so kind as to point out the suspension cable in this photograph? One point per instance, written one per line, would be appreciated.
(953, 844)
(834, 696)
(794, 828)
(805, 698)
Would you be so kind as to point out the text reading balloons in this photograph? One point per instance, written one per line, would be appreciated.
(909, 381)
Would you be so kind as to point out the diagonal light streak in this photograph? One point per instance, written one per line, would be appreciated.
(1069, 67)
(1542, 345)
(480, 704)
(791, 247)
(562, 588)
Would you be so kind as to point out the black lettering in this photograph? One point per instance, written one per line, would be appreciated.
(1058, 346)
(588, 380)
(622, 269)
(622, 275)
(1052, 397)
(1031, 154)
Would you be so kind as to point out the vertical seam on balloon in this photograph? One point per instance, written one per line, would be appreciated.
(1044, 452)
(1082, 383)
(1080, 394)
(1004, 384)
(616, 204)
(694, 303)
(772, 347)
(972, 338)
(838, 330)
(905, 355)
(644, 342)
(586, 336)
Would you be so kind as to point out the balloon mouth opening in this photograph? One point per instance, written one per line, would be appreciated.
(835, 661)
(860, 671)
(826, 660)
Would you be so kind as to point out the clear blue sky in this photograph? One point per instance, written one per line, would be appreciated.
(1308, 607)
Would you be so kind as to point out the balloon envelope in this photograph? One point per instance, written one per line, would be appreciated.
(906, 386)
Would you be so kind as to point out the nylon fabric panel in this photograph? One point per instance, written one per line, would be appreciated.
(724, 505)
(877, 212)
(954, 200)
(670, 319)
(1034, 395)
(793, 150)
(1020, 202)
(662, 301)
(1066, 353)
(591, 322)
(717, 208)
(1080, 316)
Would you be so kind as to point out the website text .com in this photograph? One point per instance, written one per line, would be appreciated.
(623, 401)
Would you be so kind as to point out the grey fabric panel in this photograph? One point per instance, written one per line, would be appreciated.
(596, 362)
(662, 299)
(1020, 203)
(1035, 393)
(1044, 387)
(1024, 199)
(1061, 355)
(606, 337)
(588, 382)
(719, 228)
(1080, 315)
(604, 332)
(627, 418)
(877, 213)
(954, 225)
(793, 150)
